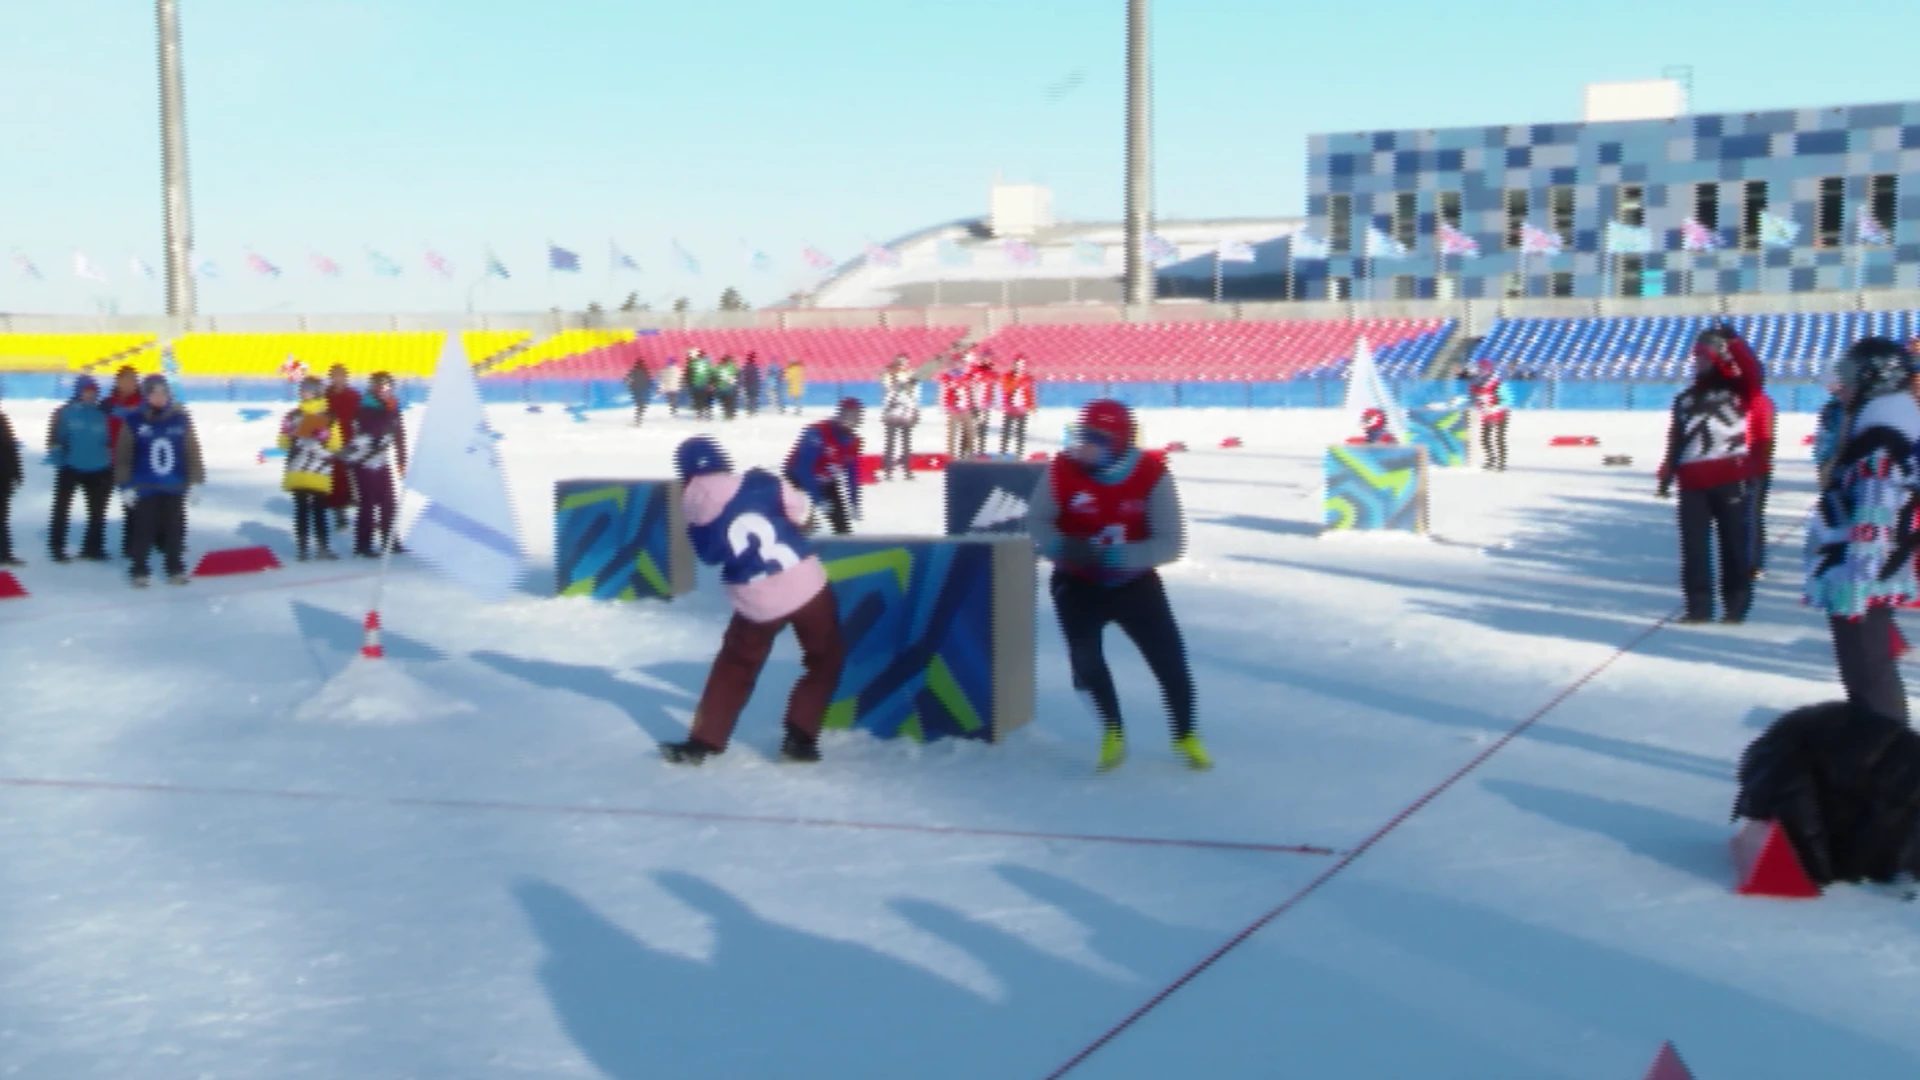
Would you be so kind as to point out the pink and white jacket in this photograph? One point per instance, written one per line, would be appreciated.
(781, 593)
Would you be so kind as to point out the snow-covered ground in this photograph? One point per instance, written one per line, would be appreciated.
(209, 871)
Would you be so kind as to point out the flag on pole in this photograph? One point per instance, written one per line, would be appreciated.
(620, 260)
(687, 262)
(467, 531)
(1382, 246)
(1088, 253)
(1309, 247)
(755, 258)
(84, 269)
(950, 253)
(1235, 251)
(1697, 237)
(1021, 253)
(815, 258)
(27, 269)
(209, 270)
(438, 264)
(559, 258)
(260, 266)
(382, 266)
(1539, 241)
(881, 256)
(1776, 231)
(496, 268)
(1455, 242)
(323, 265)
(1868, 230)
(1366, 390)
(140, 267)
(1160, 252)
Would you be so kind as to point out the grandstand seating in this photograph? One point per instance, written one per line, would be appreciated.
(566, 343)
(1218, 351)
(71, 352)
(829, 354)
(406, 353)
(1791, 346)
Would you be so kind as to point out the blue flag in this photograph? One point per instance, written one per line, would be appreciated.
(559, 258)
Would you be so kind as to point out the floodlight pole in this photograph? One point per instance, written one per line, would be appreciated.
(1139, 199)
(173, 165)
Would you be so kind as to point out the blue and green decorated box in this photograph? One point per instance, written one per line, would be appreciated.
(1376, 488)
(1443, 430)
(939, 634)
(621, 540)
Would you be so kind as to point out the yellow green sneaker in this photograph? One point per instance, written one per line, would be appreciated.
(1194, 752)
(1113, 750)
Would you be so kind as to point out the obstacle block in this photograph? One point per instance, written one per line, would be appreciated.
(1231, 442)
(10, 587)
(868, 467)
(621, 540)
(1376, 488)
(534, 409)
(229, 561)
(927, 462)
(1617, 460)
(1443, 431)
(1765, 863)
(1667, 1065)
(1038, 455)
(939, 634)
(1175, 448)
(1574, 440)
(989, 496)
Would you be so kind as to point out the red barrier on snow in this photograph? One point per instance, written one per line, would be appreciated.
(1356, 440)
(1574, 440)
(1765, 864)
(1039, 455)
(1667, 1065)
(1231, 442)
(927, 462)
(868, 468)
(246, 560)
(10, 587)
(1176, 448)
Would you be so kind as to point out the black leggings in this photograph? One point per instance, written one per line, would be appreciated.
(310, 518)
(1863, 651)
(899, 447)
(1493, 442)
(1014, 431)
(1141, 609)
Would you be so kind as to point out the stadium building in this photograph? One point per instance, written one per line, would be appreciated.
(1786, 201)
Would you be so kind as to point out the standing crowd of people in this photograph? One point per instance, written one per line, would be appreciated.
(702, 386)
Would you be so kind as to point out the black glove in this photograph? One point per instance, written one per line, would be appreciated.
(1663, 492)
(1078, 551)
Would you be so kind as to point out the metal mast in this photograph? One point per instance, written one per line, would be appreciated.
(1139, 205)
(173, 164)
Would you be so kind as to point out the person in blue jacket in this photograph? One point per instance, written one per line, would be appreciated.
(155, 463)
(825, 464)
(80, 444)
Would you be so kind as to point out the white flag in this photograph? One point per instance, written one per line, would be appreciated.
(84, 269)
(1366, 390)
(467, 531)
(139, 267)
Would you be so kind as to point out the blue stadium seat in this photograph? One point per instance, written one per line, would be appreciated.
(1792, 345)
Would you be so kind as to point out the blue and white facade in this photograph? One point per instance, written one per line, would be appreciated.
(1821, 169)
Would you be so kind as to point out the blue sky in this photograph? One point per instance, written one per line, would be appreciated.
(342, 125)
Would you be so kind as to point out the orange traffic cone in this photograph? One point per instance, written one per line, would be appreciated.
(370, 648)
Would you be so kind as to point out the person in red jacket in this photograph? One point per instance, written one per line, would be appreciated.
(1017, 400)
(1708, 454)
(955, 398)
(122, 403)
(825, 463)
(343, 402)
(982, 391)
(1374, 429)
(1109, 516)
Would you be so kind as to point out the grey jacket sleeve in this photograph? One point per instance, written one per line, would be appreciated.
(1043, 516)
(1166, 530)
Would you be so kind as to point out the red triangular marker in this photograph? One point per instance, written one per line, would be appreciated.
(10, 587)
(1231, 442)
(246, 560)
(1765, 864)
(1667, 1065)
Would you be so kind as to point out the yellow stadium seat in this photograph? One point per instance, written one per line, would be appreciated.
(564, 343)
(76, 352)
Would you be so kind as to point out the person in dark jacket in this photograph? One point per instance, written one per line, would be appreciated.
(80, 442)
(343, 401)
(1109, 517)
(640, 386)
(12, 476)
(825, 464)
(1708, 456)
(750, 386)
(377, 454)
(155, 464)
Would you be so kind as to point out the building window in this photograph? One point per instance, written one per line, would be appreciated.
(1830, 213)
(1515, 202)
(1447, 208)
(1340, 223)
(1403, 287)
(1406, 219)
(1560, 283)
(1560, 211)
(1632, 210)
(1628, 275)
(1514, 286)
(1339, 288)
(1706, 205)
(1883, 194)
(1753, 203)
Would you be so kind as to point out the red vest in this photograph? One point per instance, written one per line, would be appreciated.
(1104, 513)
(1019, 396)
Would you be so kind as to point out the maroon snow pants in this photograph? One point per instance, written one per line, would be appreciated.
(743, 652)
(374, 488)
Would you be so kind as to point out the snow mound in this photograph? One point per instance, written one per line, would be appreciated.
(376, 692)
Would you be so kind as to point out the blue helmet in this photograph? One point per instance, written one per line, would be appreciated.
(700, 456)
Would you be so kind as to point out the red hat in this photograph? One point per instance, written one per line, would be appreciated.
(1373, 418)
(1110, 421)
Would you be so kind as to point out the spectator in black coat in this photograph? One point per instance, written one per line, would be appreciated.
(12, 475)
(640, 385)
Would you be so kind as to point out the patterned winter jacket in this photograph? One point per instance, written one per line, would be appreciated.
(1860, 536)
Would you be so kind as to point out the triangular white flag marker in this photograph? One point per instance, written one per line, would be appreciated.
(1366, 390)
(468, 531)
